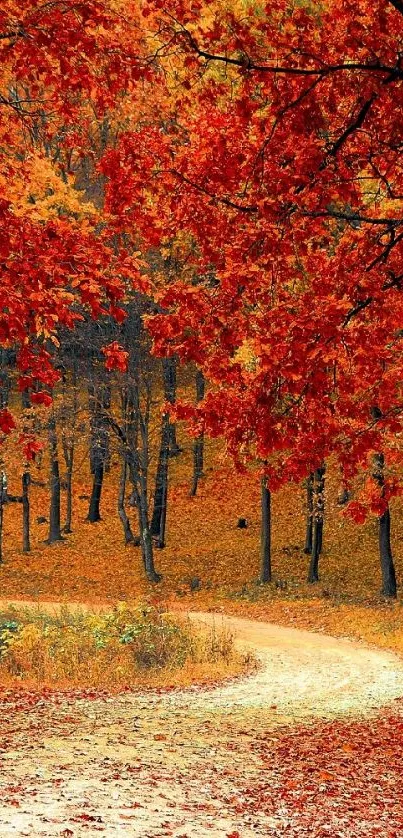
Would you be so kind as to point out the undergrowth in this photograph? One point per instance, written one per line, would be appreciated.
(126, 646)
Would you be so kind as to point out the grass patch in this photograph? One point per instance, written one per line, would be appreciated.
(127, 646)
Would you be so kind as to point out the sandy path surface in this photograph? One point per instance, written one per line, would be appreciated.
(181, 763)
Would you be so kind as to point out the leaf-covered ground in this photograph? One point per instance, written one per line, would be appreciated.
(226, 761)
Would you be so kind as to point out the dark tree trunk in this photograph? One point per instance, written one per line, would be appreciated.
(318, 506)
(146, 542)
(169, 375)
(69, 491)
(5, 381)
(127, 530)
(26, 544)
(25, 399)
(139, 458)
(2, 498)
(94, 513)
(68, 442)
(389, 586)
(265, 538)
(54, 510)
(158, 522)
(198, 445)
(99, 401)
(309, 515)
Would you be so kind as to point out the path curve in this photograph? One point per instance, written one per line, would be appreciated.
(304, 673)
(186, 764)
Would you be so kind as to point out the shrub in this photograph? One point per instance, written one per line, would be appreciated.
(127, 645)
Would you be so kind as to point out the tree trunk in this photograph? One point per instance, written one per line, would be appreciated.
(198, 445)
(1, 514)
(265, 539)
(94, 514)
(127, 531)
(309, 515)
(99, 401)
(146, 542)
(68, 442)
(54, 510)
(169, 376)
(25, 399)
(389, 586)
(5, 381)
(158, 522)
(318, 506)
(69, 490)
(26, 544)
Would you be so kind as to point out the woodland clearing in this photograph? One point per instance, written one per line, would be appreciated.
(279, 752)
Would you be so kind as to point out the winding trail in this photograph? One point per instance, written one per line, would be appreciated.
(149, 765)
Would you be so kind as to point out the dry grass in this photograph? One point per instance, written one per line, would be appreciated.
(125, 647)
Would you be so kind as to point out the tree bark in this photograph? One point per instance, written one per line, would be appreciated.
(5, 381)
(94, 513)
(99, 400)
(169, 376)
(389, 585)
(146, 542)
(318, 506)
(69, 459)
(54, 510)
(26, 544)
(127, 530)
(198, 444)
(309, 515)
(158, 521)
(1, 514)
(265, 538)
(68, 443)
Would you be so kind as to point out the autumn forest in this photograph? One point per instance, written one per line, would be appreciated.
(201, 413)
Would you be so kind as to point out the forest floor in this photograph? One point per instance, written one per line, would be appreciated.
(297, 748)
(301, 748)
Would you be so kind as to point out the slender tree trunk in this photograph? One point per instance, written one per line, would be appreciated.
(1, 514)
(94, 513)
(26, 544)
(25, 399)
(5, 381)
(389, 586)
(127, 531)
(318, 503)
(99, 400)
(309, 515)
(265, 539)
(146, 542)
(68, 442)
(158, 522)
(169, 375)
(69, 459)
(54, 510)
(198, 444)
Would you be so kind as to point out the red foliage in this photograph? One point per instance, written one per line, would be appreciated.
(116, 357)
(284, 173)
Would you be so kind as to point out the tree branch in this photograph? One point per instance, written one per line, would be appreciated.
(247, 63)
(353, 126)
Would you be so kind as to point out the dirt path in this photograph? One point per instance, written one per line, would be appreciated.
(182, 763)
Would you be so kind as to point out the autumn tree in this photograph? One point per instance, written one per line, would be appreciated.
(272, 141)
